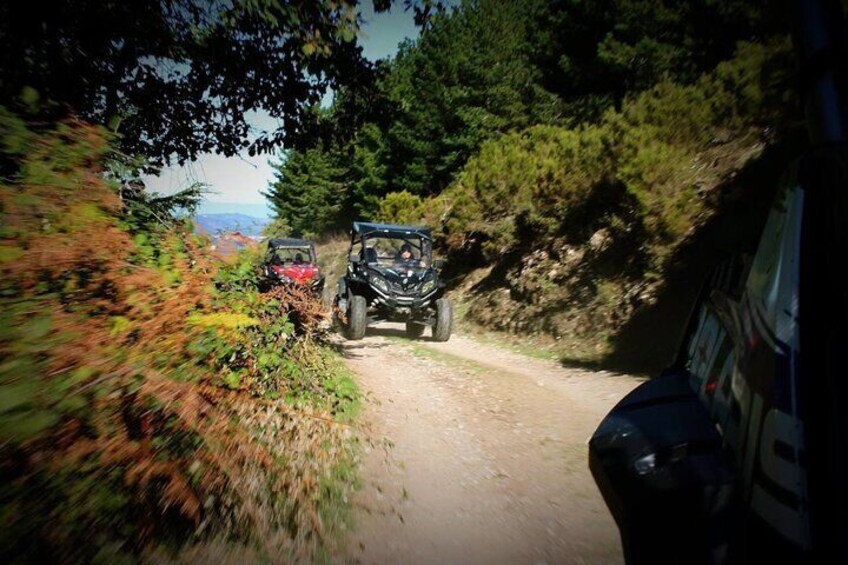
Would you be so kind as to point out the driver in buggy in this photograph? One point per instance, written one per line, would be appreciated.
(405, 257)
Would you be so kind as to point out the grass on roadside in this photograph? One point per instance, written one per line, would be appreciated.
(337, 487)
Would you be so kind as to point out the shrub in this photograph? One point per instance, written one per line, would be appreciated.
(401, 208)
(659, 175)
(277, 228)
(137, 400)
(538, 176)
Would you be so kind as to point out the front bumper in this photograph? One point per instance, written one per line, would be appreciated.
(395, 302)
(314, 286)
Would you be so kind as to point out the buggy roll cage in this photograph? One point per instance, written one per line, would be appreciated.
(291, 243)
(363, 230)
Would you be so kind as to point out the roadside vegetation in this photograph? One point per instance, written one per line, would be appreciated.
(153, 403)
(581, 164)
(583, 227)
(573, 159)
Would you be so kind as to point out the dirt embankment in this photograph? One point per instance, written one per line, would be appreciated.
(603, 294)
(477, 454)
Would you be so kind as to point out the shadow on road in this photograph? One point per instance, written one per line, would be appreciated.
(384, 330)
(349, 349)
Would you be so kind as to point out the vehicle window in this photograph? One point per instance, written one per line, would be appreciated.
(290, 255)
(389, 251)
(710, 362)
(773, 282)
(747, 381)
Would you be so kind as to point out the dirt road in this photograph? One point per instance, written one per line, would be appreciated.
(478, 455)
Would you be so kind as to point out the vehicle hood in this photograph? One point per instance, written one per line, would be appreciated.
(412, 275)
(302, 274)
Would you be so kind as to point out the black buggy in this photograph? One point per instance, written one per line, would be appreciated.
(391, 276)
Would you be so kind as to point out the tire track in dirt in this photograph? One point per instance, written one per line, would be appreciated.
(477, 454)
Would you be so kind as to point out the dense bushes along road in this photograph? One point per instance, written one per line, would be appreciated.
(152, 401)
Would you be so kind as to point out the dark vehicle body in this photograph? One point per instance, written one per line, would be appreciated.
(380, 285)
(737, 452)
(293, 261)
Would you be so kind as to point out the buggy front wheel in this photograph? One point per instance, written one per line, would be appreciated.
(444, 320)
(357, 317)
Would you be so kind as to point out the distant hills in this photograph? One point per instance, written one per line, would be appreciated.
(257, 210)
(214, 224)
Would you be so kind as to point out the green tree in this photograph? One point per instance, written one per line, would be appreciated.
(176, 77)
(466, 79)
(368, 171)
(593, 53)
(276, 228)
(308, 193)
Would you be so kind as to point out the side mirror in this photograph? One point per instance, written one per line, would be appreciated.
(439, 264)
(354, 258)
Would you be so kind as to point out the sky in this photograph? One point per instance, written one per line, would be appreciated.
(236, 183)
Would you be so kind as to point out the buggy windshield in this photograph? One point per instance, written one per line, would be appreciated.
(296, 255)
(406, 251)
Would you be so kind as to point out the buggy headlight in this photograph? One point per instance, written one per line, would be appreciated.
(380, 283)
(428, 286)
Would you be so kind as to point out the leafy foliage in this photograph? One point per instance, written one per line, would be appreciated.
(596, 53)
(139, 382)
(276, 228)
(467, 79)
(401, 208)
(179, 78)
(422, 116)
(533, 178)
(538, 179)
(307, 193)
(486, 69)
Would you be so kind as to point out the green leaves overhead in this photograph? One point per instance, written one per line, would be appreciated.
(488, 68)
(178, 76)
